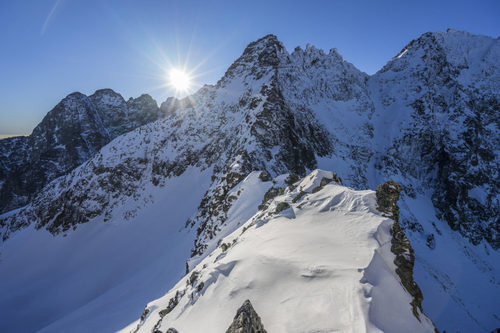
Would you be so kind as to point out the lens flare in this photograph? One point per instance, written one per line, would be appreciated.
(179, 80)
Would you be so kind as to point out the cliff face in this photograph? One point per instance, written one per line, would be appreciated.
(428, 120)
(69, 135)
(442, 94)
(429, 117)
(315, 258)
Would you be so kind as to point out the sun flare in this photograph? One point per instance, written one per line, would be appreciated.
(179, 80)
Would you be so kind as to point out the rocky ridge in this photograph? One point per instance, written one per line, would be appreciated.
(444, 87)
(69, 135)
(427, 120)
(285, 257)
(246, 320)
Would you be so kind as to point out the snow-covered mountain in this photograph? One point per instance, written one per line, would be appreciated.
(125, 221)
(316, 258)
(68, 135)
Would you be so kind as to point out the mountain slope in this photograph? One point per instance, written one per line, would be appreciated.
(69, 134)
(99, 276)
(318, 263)
(443, 92)
(437, 130)
(426, 120)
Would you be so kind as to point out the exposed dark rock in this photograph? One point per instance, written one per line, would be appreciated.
(277, 131)
(262, 207)
(281, 206)
(450, 143)
(71, 133)
(172, 330)
(193, 278)
(431, 242)
(291, 179)
(272, 193)
(387, 200)
(324, 181)
(298, 196)
(246, 320)
(265, 176)
(144, 314)
(172, 303)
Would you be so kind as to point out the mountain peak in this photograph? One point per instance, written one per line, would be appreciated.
(459, 50)
(257, 59)
(266, 48)
(74, 95)
(226, 163)
(266, 41)
(105, 91)
(107, 97)
(143, 102)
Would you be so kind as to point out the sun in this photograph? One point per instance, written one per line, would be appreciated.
(179, 80)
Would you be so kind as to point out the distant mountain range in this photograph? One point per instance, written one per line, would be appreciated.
(68, 135)
(225, 179)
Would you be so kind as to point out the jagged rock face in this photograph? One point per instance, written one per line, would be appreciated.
(282, 132)
(242, 124)
(387, 201)
(304, 270)
(246, 320)
(428, 120)
(120, 117)
(284, 112)
(69, 134)
(335, 93)
(13, 152)
(171, 330)
(387, 198)
(443, 90)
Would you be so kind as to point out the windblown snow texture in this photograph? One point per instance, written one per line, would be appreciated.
(428, 120)
(322, 263)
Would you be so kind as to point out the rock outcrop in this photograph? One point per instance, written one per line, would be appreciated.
(428, 119)
(71, 133)
(387, 200)
(246, 320)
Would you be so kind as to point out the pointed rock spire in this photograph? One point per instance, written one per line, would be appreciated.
(246, 320)
(266, 49)
(172, 330)
(258, 58)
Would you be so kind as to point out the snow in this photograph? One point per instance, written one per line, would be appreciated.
(99, 276)
(313, 180)
(322, 264)
(459, 280)
(249, 195)
(479, 193)
(402, 53)
(325, 267)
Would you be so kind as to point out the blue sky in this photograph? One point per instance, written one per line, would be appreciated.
(50, 48)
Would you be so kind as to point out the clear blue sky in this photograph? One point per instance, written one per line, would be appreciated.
(50, 48)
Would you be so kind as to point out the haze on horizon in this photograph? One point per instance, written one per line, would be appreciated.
(55, 47)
